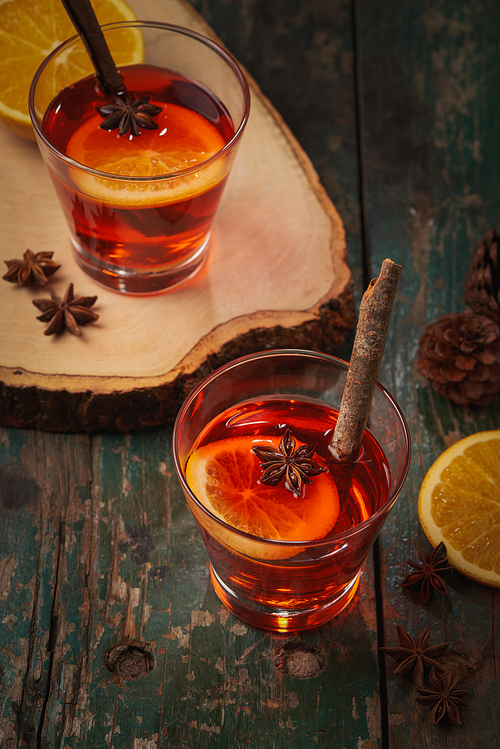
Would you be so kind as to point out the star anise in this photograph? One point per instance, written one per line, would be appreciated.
(426, 577)
(127, 113)
(68, 312)
(444, 700)
(33, 268)
(414, 656)
(294, 465)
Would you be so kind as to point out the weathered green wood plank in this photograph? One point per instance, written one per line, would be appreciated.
(43, 492)
(302, 56)
(115, 557)
(429, 74)
(141, 576)
(124, 559)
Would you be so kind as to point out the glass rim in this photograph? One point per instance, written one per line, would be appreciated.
(334, 538)
(224, 54)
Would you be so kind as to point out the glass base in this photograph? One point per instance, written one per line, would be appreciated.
(138, 282)
(283, 620)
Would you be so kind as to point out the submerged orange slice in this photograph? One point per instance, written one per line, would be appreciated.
(459, 504)
(183, 140)
(225, 477)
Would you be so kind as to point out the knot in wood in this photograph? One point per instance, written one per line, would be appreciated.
(129, 661)
(300, 661)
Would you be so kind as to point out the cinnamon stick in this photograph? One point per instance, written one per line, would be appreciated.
(85, 22)
(369, 344)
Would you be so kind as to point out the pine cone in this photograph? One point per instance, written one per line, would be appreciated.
(482, 282)
(460, 356)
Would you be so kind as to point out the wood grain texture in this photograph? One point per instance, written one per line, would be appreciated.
(96, 544)
(215, 683)
(429, 108)
(117, 559)
(302, 55)
(277, 274)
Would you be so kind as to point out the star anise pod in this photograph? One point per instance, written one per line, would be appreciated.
(414, 656)
(426, 577)
(294, 465)
(68, 312)
(33, 268)
(127, 113)
(444, 700)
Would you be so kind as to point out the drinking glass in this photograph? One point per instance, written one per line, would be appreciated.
(291, 585)
(141, 234)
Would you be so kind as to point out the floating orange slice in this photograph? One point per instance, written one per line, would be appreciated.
(183, 140)
(224, 477)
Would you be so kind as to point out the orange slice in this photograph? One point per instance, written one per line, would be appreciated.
(459, 504)
(183, 140)
(30, 31)
(224, 477)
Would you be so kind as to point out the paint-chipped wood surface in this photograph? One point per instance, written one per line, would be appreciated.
(112, 556)
(97, 548)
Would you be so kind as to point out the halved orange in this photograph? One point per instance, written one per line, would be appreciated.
(184, 139)
(225, 477)
(30, 31)
(459, 504)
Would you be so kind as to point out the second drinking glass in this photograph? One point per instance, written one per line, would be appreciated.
(285, 530)
(140, 205)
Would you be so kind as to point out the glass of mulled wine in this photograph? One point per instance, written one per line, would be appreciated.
(140, 199)
(285, 531)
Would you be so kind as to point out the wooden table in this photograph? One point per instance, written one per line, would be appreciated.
(397, 105)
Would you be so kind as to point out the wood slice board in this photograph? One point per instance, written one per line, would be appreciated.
(277, 277)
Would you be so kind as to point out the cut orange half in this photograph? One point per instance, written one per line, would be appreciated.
(459, 504)
(32, 30)
(183, 140)
(225, 478)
